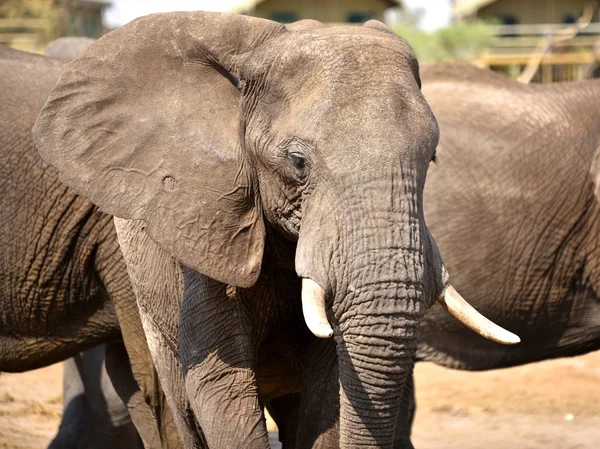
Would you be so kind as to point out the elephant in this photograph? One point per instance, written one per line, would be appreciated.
(266, 182)
(514, 206)
(513, 203)
(64, 285)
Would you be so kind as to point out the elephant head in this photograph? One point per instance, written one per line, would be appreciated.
(213, 128)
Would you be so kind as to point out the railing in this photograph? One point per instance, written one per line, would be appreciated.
(525, 38)
(552, 68)
(546, 52)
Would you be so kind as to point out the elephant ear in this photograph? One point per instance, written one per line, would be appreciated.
(145, 124)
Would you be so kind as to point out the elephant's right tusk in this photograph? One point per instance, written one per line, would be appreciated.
(313, 308)
(466, 314)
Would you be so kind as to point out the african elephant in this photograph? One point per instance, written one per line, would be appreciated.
(514, 206)
(261, 172)
(64, 284)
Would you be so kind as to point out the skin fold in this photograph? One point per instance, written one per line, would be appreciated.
(64, 285)
(238, 155)
(514, 206)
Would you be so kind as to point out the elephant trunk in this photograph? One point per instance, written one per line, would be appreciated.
(371, 386)
(376, 338)
(368, 250)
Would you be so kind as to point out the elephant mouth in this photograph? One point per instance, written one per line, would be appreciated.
(315, 314)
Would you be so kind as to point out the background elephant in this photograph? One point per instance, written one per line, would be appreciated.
(63, 279)
(514, 206)
(68, 48)
(241, 154)
(94, 416)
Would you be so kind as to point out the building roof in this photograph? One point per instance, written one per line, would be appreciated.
(465, 8)
(248, 5)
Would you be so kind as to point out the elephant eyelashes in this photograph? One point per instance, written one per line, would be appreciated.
(298, 161)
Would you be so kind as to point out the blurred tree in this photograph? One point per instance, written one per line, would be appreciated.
(31, 24)
(47, 10)
(28, 9)
(459, 41)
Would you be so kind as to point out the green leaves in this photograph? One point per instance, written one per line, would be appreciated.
(463, 41)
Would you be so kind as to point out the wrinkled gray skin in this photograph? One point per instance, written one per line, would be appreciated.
(239, 152)
(63, 280)
(514, 206)
(94, 416)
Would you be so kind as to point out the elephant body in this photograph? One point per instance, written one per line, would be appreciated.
(514, 206)
(58, 251)
(68, 48)
(256, 183)
(57, 302)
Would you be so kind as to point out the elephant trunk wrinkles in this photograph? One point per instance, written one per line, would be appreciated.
(376, 342)
(378, 318)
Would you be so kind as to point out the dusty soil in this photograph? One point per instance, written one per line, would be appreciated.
(553, 404)
(550, 405)
(30, 408)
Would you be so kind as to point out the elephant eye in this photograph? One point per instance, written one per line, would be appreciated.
(298, 161)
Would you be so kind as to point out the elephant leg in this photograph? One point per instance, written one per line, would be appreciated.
(220, 368)
(93, 414)
(142, 411)
(143, 396)
(157, 281)
(284, 410)
(110, 423)
(318, 421)
(76, 413)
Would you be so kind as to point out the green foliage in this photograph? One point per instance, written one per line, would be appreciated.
(463, 41)
(28, 9)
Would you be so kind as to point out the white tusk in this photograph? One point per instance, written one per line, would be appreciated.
(313, 307)
(466, 314)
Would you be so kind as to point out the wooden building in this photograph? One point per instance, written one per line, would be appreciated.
(327, 11)
(539, 40)
(515, 12)
(84, 18)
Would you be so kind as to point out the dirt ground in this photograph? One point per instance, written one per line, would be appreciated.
(550, 405)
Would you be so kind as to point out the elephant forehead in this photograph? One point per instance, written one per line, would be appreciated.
(336, 53)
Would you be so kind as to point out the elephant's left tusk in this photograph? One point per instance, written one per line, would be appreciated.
(466, 314)
(313, 308)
